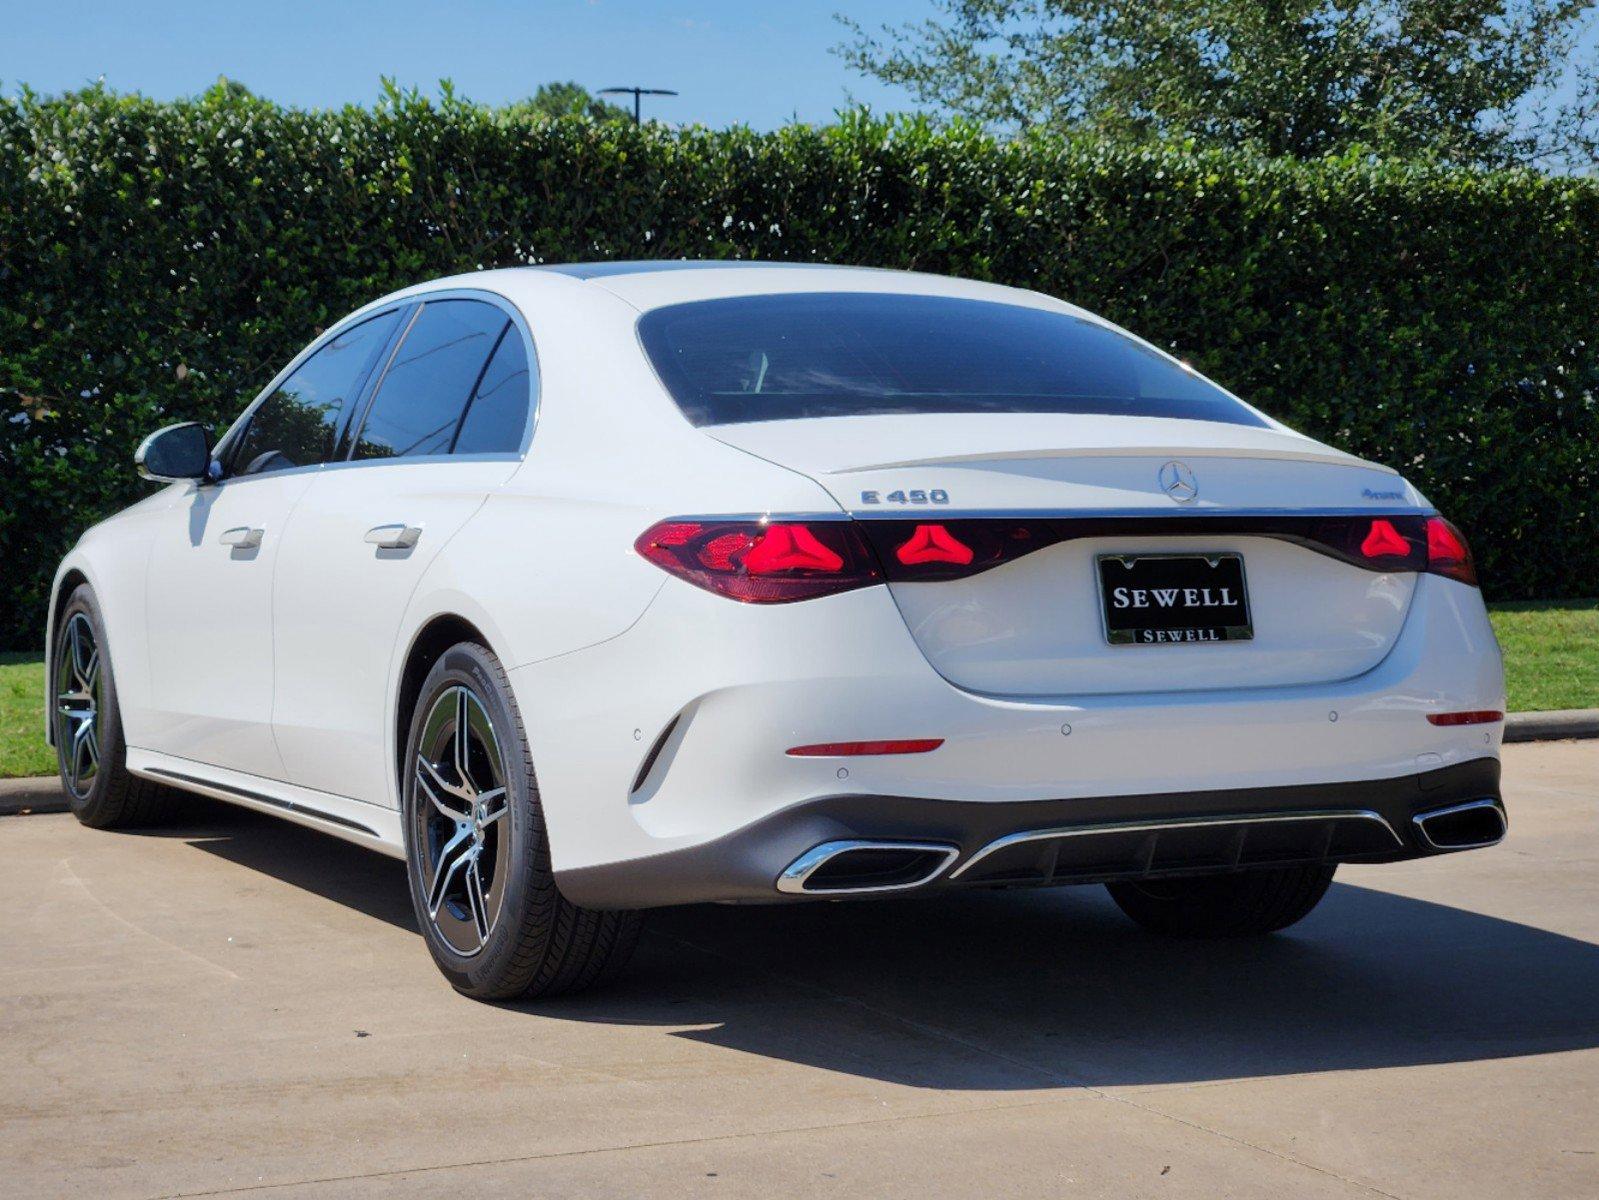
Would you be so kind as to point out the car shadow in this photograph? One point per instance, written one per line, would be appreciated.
(1035, 989)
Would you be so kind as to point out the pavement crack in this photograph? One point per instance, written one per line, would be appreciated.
(617, 1148)
(74, 878)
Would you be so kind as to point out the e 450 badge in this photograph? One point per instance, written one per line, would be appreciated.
(907, 496)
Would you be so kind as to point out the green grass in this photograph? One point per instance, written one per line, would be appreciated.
(1551, 653)
(22, 746)
(1551, 661)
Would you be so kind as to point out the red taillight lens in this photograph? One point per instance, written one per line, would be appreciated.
(846, 749)
(1384, 541)
(1447, 552)
(933, 544)
(763, 562)
(954, 549)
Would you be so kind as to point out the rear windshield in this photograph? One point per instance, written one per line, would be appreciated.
(836, 354)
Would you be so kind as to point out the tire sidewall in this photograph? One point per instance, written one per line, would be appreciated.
(473, 666)
(112, 750)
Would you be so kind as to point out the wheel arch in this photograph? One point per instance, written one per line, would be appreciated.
(432, 638)
(69, 578)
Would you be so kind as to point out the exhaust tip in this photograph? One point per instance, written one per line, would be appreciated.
(858, 867)
(1468, 826)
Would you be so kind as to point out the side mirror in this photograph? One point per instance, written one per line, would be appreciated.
(176, 452)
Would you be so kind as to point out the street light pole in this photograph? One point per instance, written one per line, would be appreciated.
(636, 92)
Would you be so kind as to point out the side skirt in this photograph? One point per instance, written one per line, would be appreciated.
(369, 825)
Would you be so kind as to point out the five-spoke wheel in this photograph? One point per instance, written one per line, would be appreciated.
(78, 704)
(478, 854)
(86, 726)
(460, 772)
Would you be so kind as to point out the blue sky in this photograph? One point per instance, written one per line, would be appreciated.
(760, 62)
(756, 61)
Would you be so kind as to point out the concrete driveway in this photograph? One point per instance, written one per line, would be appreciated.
(243, 1006)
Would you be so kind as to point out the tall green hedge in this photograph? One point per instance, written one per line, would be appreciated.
(159, 261)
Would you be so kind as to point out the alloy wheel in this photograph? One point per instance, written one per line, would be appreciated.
(458, 819)
(78, 705)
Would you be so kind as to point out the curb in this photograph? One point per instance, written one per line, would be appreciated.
(1552, 726)
(39, 794)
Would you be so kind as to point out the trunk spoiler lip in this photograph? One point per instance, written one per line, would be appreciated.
(934, 513)
(1328, 456)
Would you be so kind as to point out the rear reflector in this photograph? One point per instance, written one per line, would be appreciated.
(763, 562)
(1486, 716)
(845, 749)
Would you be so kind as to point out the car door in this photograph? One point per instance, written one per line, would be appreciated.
(210, 576)
(445, 425)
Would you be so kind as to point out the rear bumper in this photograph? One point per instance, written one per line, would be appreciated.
(1051, 842)
(671, 738)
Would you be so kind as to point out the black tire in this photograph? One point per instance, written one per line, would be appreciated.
(88, 721)
(537, 943)
(1245, 904)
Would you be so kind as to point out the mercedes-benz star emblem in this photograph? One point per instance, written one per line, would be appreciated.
(1178, 482)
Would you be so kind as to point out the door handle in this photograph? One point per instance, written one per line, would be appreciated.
(393, 537)
(241, 538)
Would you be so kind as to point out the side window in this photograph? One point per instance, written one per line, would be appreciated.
(497, 416)
(419, 403)
(296, 425)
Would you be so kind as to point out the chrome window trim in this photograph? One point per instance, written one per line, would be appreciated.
(1069, 831)
(377, 308)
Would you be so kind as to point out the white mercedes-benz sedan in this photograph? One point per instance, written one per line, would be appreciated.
(589, 589)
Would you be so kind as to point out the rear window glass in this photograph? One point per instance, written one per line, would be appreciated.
(781, 357)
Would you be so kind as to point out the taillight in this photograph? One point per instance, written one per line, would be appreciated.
(1447, 552)
(924, 551)
(933, 544)
(776, 561)
(763, 562)
(1382, 540)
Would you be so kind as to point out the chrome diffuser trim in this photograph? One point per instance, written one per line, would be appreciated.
(798, 873)
(1421, 820)
(1111, 827)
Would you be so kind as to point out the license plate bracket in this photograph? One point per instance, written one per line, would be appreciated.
(1172, 599)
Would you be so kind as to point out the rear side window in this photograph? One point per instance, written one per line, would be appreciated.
(424, 393)
(296, 425)
(782, 357)
(497, 416)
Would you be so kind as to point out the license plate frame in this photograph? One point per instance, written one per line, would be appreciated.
(1184, 572)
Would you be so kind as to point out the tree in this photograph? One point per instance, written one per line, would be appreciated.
(572, 99)
(1490, 82)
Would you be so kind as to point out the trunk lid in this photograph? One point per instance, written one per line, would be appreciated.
(1036, 625)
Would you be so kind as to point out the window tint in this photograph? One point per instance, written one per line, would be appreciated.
(497, 416)
(295, 426)
(772, 358)
(424, 392)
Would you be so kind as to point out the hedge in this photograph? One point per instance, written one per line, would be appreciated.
(159, 261)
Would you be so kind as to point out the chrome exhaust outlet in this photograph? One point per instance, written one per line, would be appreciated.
(1468, 826)
(858, 867)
